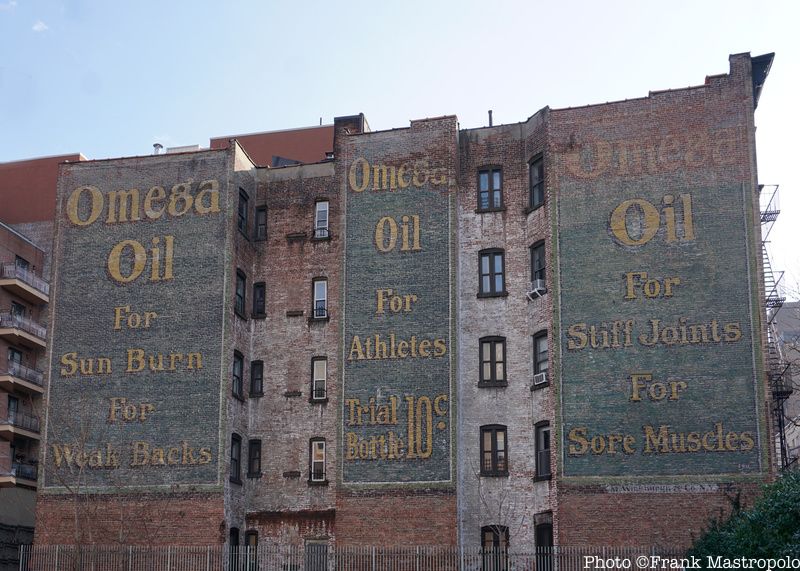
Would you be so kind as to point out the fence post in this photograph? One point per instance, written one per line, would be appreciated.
(169, 557)
(208, 558)
(373, 558)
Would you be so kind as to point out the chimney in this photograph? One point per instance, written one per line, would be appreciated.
(157, 148)
(490, 117)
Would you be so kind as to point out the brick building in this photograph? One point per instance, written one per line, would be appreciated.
(527, 334)
(24, 293)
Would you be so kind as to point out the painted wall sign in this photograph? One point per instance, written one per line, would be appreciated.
(657, 375)
(135, 366)
(397, 398)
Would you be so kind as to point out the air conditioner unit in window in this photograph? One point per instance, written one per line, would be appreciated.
(537, 289)
(539, 379)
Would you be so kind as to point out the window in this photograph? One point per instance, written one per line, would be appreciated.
(543, 450)
(493, 361)
(261, 223)
(494, 545)
(256, 378)
(544, 546)
(238, 370)
(319, 376)
(540, 359)
(538, 263)
(494, 450)
(316, 555)
(259, 299)
(21, 263)
(14, 355)
(537, 182)
(321, 220)
(254, 459)
(251, 544)
(241, 220)
(236, 462)
(320, 299)
(490, 189)
(492, 273)
(17, 309)
(316, 460)
(234, 552)
(241, 283)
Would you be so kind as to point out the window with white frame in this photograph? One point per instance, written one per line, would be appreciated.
(316, 460)
(321, 219)
(319, 377)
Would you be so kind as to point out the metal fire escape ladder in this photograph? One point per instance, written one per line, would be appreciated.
(778, 370)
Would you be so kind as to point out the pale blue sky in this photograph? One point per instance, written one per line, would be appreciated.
(109, 78)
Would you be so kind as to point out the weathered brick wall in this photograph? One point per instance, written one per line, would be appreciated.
(513, 500)
(141, 519)
(112, 423)
(282, 502)
(238, 335)
(394, 182)
(690, 150)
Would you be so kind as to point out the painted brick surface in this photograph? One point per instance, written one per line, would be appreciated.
(397, 399)
(513, 500)
(132, 417)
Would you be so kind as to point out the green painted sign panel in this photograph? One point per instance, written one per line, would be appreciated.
(657, 368)
(397, 345)
(137, 324)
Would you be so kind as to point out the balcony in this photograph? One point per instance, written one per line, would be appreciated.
(22, 378)
(20, 330)
(24, 283)
(20, 475)
(19, 424)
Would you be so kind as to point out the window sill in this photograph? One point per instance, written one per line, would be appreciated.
(530, 209)
(256, 395)
(319, 319)
(543, 478)
(321, 238)
(240, 398)
(489, 210)
(318, 482)
(492, 385)
(259, 239)
(259, 316)
(240, 314)
(482, 295)
(318, 401)
(236, 481)
(540, 386)
(254, 476)
(494, 474)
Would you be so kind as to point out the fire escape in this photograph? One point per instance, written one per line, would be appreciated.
(778, 369)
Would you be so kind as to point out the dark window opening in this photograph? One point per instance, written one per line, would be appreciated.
(492, 273)
(254, 459)
(259, 299)
(236, 464)
(261, 223)
(494, 450)
(493, 361)
(490, 189)
(536, 170)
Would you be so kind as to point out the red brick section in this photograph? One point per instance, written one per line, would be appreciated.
(307, 145)
(395, 519)
(28, 188)
(590, 517)
(168, 519)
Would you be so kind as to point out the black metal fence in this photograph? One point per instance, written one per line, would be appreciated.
(325, 557)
